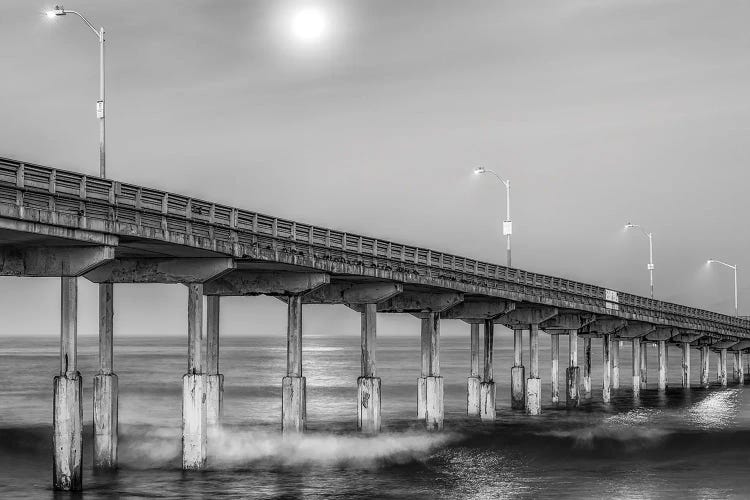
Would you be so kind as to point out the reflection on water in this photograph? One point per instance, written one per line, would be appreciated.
(679, 444)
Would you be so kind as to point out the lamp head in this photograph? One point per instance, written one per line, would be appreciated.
(57, 11)
(629, 225)
(479, 170)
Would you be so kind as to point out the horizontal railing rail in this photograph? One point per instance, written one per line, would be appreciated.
(63, 191)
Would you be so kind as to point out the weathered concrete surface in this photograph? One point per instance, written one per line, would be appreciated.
(194, 422)
(636, 343)
(615, 363)
(723, 367)
(67, 433)
(277, 283)
(533, 396)
(53, 261)
(705, 366)
(478, 310)
(487, 394)
(518, 387)
(587, 368)
(685, 365)
(214, 398)
(473, 396)
(105, 421)
(572, 377)
(644, 365)
(606, 367)
(662, 358)
(739, 373)
(555, 367)
(421, 302)
(521, 318)
(368, 405)
(293, 404)
(184, 270)
(430, 402)
(354, 293)
(635, 330)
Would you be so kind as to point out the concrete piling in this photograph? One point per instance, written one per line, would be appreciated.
(636, 367)
(293, 393)
(194, 384)
(215, 380)
(533, 403)
(487, 391)
(517, 373)
(705, 368)
(555, 340)
(473, 382)
(572, 374)
(615, 363)
(739, 374)
(67, 416)
(430, 387)
(586, 388)
(368, 384)
(685, 365)
(106, 392)
(723, 367)
(606, 367)
(644, 365)
(662, 358)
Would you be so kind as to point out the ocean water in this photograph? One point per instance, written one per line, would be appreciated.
(693, 444)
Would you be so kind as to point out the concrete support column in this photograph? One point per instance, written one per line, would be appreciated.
(644, 365)
(705, 368)
(572, 374)
(615, 363)
(215, 380)
(474, 381)
(67, 409)
(368, 384)
(606, 367)
(587, 368)
(636, 367)
(685, 365)
(293, 386)
(517, 373)
(533, 400)
(430, 388)
(739, 375)
(723, 367)
(555, 339)
(105, 387)
(194, 384)
(487, 387)
(662, 355)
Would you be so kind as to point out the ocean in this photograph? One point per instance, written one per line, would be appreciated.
(681, 444)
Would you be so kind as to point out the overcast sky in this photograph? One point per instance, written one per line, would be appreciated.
(598, 111)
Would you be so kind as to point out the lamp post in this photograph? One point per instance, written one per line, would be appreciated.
(60, 11)
(650, 252)
(736, 305)
(507, 224)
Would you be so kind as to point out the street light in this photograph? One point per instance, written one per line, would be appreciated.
(59, 10)
(736, 306)
(507, 224)
(650, 252)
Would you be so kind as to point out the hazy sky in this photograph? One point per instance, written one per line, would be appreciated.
(598, 111)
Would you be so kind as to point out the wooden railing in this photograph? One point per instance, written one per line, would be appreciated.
(61, 191)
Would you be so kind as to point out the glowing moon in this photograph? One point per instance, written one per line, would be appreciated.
(309, 24)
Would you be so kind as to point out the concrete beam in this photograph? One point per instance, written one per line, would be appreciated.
(477, 311)
(527, 316)
(741, 345)
(635, 330)
(703, 340)
(353, 293)
(188, 270)
(723, 344)
(53, 261)
(421, 302)
(603, 326)
(568, 321)
(662, 334)
(239, 283)
(686, 337)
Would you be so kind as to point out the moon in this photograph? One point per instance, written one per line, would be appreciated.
(309, 25)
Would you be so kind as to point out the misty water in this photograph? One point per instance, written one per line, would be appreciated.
(680, 445)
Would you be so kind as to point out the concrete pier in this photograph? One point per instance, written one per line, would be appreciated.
(644, 365)
(662, 359)
(517, 373)
(685, 365)
(106, 391)
(430, 387)
(587, 368)
(215, 380)
(606, 367)
(293, 392)
(555, 340)
(67, 416)
(723, 367)
(636, 342)
(572, 374)
(487, 392)
(739, 373)
(194, 410)
(473, 382)
(368, 384)
(705, 368)
(615, 363)
(533, 398)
